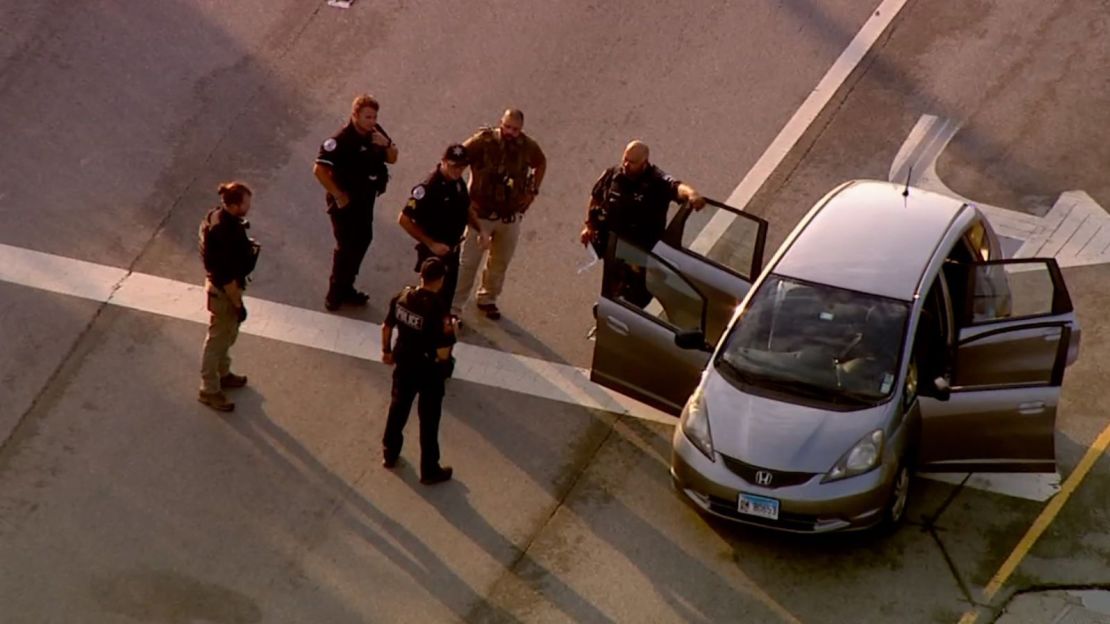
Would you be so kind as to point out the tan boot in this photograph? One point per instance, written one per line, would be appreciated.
(216, 400)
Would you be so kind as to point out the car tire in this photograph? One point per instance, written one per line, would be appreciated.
(895, 511)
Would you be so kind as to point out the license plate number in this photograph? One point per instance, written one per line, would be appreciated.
(760, 506)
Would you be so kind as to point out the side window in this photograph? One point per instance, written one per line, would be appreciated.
(727, 237)
(977, 237)
(931, 339)
(994, 350)
(640, 280)
(956, 274)
(1023, 357)
(1015, 289)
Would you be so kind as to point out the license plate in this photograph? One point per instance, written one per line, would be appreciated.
(760, 506)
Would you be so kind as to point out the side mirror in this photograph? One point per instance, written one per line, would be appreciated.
(941, 390)
(690, 339)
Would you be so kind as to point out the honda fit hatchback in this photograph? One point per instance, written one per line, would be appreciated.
(885, 336)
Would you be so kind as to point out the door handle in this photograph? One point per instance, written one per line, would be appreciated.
(618, 326)
(1032, 407)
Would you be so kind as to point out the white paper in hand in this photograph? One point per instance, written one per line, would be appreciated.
(591, 262)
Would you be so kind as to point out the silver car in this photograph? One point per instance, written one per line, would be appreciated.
(885, 336)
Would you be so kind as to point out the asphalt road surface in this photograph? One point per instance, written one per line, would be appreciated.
(122, 499)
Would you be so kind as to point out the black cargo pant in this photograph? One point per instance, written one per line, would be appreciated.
(451, 262)
(411, 379)
(353, 226)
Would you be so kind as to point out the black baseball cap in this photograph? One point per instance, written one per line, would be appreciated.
(432, 269)
(456, 153)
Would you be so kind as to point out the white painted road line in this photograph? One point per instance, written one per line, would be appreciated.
(361, 339)
(318, 330)
(1076, 231)
(788, 137)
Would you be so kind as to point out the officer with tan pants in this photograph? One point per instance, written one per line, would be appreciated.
(506, 171)
(229, 256)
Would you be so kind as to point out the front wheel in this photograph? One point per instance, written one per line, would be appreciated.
(895, 510)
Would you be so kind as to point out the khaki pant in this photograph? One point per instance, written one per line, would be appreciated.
(503, 244)
(223, 329)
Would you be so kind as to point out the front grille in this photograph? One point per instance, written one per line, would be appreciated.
(779, 478)
(789, 521)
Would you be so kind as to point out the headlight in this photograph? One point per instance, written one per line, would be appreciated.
(695, 424)
(862, 457)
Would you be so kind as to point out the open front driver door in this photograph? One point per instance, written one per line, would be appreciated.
(653, 300)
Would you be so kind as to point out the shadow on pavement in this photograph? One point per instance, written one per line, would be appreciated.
(364, 518)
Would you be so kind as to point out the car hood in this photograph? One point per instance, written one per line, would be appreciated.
(782, 436)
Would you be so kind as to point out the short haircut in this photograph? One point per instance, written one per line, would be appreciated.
(514, 113)
(432, 269)
(233, 193)
(364, 101)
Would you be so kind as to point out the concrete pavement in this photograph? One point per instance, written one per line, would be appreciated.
(124, 500)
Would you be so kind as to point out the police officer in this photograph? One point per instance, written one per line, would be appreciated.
(422, 363)
(437, 213)
(229, 256)
(630, 201)
(351, 166)
(506, 170)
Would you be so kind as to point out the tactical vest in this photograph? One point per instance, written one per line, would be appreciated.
(246, 261)
(503, 170)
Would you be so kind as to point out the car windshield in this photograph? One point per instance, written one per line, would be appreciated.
(817, 342)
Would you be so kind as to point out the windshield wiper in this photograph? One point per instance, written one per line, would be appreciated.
(776, 383)
(798, 387)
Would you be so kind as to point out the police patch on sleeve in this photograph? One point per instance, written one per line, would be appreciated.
(669, 179)
(418, 191)
(329, 145)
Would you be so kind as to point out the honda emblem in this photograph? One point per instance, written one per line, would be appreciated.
(762, 477)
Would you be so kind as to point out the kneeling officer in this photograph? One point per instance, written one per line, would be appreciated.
(423, 363)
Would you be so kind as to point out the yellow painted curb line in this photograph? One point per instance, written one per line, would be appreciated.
(1048, 514)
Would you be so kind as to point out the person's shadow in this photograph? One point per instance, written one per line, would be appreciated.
(376, 527)
(452, 502)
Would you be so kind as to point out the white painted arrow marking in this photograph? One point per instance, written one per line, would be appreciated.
(1076, 231)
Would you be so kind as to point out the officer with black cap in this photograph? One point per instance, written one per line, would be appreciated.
(422, 363)
(437, 213)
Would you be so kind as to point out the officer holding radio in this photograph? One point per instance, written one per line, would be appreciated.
(351, 166)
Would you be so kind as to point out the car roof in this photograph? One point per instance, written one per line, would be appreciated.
(868, 237)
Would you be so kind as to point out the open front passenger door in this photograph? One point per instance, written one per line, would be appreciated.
(1016, 333)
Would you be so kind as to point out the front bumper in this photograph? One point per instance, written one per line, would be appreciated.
(850, 504)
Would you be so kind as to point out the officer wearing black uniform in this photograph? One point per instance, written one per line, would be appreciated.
(351, 166)
(630, 201)
(423, 362)
(437, 213)
(229, 257)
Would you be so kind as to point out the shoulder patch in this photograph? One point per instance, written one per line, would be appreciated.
(329, 145)
(418, 191)
(669, 178)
